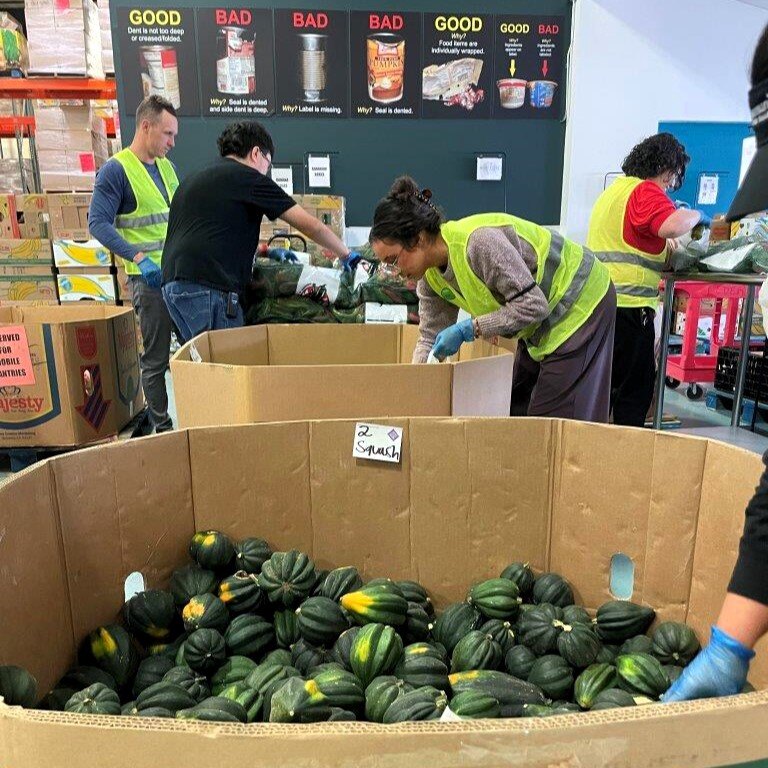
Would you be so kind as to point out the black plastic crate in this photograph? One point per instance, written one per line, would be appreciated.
(756, 380)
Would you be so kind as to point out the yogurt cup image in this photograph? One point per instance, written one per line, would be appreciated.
(511, 92)
(542, 93)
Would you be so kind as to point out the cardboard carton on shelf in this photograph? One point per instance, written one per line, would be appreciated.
(467, 497)
(81, 254)
(32, 215)
(36, 288)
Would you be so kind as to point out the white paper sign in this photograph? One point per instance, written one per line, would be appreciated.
(283, 177)
(748, 151)
(709, 184)
(375, 442)
(319, 171)
(489, 168)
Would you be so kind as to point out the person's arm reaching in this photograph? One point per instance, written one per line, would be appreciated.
(679, 223)
(315, 230)
(107, 198)
(435, 315)
(721, 668)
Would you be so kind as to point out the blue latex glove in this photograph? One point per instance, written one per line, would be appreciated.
(351, 262)
(282, 255)
(449, 340)
(151, 273)
(719, 670)
(705, 219)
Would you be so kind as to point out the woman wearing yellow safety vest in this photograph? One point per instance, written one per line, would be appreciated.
(515, 279)
(630, 229)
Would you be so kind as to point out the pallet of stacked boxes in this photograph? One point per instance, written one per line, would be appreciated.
(64, 38)
(105, 31)
(71, 145)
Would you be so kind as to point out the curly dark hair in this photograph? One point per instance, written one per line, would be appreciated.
(656, 155)
(240, 138)
(405, 213)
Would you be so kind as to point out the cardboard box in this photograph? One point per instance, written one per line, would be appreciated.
(64, 37)
(70, 170)
(32, 216)
(31, 251)
(11, 178)
(92, 285)
(81, 253)
(36, 288)
(251, 369)
(84, 382)
(69, 216)
(468, 497)
(9, 227)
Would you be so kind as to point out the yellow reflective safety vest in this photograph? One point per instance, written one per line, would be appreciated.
(146, 226)
(635, 273)
(571, 278)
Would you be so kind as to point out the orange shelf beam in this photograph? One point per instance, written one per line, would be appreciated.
(56, 88)
(8, 126)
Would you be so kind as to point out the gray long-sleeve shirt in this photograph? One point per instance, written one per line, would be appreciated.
(507, 265)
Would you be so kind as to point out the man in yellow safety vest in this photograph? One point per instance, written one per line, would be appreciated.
(129, 215)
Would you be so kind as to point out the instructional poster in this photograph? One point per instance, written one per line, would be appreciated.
(157, 48)
(311, 55)
(457, 65)
(385, 64)
(235, 54)
(530, 53)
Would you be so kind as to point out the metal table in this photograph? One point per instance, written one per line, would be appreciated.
(751, 280)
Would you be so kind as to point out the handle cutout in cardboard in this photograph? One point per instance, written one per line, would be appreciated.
(622, 577)
(134, 584)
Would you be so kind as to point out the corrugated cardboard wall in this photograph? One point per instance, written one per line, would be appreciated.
(470, 497)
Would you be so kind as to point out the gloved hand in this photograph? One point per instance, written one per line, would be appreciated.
(705, 219)
(681, 204)
(351, 261)
(282, 255)
(151, 273)
(719, 670)
(451, 338)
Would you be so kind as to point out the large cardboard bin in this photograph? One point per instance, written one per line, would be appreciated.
(468, 497)
(68, 375)
(285, 372)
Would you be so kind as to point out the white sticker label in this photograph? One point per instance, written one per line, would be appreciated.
(319, 171)
(375, 442)
(283, 177)
(449, 716)
(194, 354)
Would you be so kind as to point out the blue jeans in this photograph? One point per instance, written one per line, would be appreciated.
(196, 308)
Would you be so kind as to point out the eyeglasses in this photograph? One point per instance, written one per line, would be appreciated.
(267, 157)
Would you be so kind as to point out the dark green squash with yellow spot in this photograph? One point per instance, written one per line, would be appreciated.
(375, 651)
(110, 648)
(240, 592)
(150, 614)
(205, 612)
(212, 549)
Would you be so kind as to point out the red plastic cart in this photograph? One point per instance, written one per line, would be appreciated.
(692, 368)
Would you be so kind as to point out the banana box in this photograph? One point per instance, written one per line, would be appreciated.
(86, 286)
(25, 289)
(81, 253)
(32, 251)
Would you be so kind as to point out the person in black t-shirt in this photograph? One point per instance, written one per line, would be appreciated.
(721, 668)
(213, 231)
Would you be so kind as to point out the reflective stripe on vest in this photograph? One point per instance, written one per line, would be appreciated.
(140, 221)
(146, 226)
(635, 273)
(573, 281)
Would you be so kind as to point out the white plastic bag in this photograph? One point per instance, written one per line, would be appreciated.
(319, 283)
